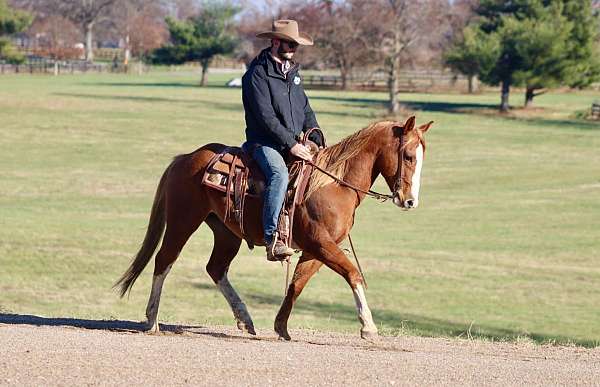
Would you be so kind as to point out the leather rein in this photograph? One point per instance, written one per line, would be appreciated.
(374, 194)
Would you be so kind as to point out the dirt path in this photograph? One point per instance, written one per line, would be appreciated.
(39, 351)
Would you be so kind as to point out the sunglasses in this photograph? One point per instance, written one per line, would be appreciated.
(290, 44)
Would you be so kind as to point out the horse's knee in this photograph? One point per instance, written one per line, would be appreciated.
(215, 270)
(354, 278)
(164, 260)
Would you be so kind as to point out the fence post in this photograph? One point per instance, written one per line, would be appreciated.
(596, 110)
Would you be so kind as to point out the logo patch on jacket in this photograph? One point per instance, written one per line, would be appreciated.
(296, 80)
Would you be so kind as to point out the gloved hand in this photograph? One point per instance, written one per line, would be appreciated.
(317, 138)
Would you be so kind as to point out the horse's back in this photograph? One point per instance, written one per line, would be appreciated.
(196, 162)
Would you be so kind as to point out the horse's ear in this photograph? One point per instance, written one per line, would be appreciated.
(424, 128)
(409, 125)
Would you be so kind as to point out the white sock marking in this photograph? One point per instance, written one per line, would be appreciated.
(364, 313)
(235, 302)
(154, 301)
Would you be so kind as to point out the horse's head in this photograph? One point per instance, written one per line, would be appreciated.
(404, 161)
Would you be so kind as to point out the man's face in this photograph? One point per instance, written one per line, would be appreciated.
(286, 49)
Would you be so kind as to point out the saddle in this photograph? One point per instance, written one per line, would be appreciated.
(235, 173)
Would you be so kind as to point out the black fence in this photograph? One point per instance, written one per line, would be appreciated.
(409, 80)
(46, 66)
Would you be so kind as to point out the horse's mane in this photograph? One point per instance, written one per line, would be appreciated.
(334, 159)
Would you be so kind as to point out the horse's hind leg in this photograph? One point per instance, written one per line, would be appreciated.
(180, 227)
(226, 247)
(307, 266)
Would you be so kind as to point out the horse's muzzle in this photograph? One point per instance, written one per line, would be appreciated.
(404, 204)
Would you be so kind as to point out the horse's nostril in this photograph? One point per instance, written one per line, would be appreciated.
(409, 203)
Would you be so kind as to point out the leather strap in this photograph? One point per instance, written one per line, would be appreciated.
(230, 184)
(310, 131)
(371, 193)
(243, 199)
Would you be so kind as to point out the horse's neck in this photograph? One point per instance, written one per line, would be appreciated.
(361, 170)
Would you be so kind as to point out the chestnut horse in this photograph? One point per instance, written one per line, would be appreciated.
(391, 149)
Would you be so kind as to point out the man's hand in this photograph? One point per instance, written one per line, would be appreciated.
(301, 151)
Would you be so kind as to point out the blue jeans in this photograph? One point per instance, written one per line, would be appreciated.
(273, 166)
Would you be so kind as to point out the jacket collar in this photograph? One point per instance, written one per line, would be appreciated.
(265, 59)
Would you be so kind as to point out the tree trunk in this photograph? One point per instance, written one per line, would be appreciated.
(504, 107)
(393, 87)
(127, 55)
(204, 63)
(89, 50)
(344, 72)
(472, 83)
(394, 60)
(529, 97)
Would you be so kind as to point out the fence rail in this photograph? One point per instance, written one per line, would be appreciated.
(58, 67)
(407, 81)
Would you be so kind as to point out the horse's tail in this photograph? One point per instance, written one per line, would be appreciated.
(156, 228)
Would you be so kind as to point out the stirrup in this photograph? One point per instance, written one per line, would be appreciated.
(278, 251)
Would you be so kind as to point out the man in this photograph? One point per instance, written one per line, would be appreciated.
(276, 112)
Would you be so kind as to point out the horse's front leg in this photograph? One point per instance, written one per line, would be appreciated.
(307, 266)
(331, 255)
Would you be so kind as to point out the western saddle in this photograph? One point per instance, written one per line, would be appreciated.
(235, 173)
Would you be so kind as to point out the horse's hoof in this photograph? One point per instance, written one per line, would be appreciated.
(152, 329)
(248, 328)
(281, 330)
(369, 335)
(283, 335)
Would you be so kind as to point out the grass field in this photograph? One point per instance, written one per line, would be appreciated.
(504, 246)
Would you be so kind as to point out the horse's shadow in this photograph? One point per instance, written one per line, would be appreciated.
(105, 325)
(425, 326)
(122, 326)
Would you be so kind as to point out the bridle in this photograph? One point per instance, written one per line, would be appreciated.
(398, 177)
(397, 190)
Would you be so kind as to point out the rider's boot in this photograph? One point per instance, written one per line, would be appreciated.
(277, 250)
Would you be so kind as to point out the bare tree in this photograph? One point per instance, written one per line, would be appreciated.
(181, 9)
(252, 21)
(399, 29)
(56, 37)
(140, 25)
(345, 36)
(83, 13)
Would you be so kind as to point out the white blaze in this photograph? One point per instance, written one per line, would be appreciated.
(416, 177)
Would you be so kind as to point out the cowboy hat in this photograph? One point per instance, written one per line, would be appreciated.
(286, 30)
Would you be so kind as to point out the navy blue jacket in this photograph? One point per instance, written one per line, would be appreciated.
(277, 109)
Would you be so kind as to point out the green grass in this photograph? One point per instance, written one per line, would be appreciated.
(504, 246)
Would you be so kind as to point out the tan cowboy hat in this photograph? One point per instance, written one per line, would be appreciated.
(286, 30)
